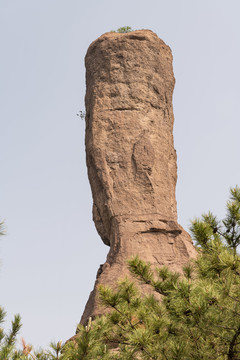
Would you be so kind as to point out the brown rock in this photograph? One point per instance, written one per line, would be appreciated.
(131, 158)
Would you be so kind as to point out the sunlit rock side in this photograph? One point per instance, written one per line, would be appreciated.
(130, 153)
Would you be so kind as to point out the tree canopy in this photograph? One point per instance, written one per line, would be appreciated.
(198, 317)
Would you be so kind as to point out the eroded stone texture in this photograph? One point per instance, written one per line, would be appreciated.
(131, 158)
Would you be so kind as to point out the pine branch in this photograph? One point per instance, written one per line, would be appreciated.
(231, 352)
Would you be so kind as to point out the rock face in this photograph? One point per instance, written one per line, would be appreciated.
(131, 158)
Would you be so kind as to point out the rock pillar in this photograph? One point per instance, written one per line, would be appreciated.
(131, 158)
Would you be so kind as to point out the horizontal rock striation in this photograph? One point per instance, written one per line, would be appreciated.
(130, 153)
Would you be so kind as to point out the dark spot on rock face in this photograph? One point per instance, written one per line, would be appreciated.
(100, 270)
(137, 37)
(174, 232)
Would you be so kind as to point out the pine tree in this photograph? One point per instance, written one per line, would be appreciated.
(198, 317)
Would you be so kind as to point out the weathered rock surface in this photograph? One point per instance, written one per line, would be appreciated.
(131, 158)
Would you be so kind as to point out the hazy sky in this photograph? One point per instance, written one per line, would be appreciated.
(51, 253)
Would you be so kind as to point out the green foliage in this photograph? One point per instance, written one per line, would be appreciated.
(209, 230)
(81, 114)
(198, 317)
(9, 350)
(89, 343)
(192, 316)
(8, 340)
(123, 29)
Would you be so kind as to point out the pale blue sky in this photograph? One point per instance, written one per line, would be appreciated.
(51, 253)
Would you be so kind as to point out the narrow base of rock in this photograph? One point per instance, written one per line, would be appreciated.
(159, 241)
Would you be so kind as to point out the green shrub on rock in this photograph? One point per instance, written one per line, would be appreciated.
(123, 29)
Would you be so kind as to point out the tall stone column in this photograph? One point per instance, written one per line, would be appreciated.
(130, 153)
